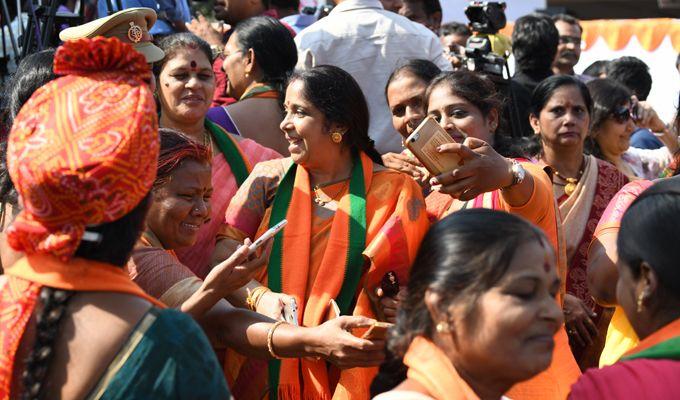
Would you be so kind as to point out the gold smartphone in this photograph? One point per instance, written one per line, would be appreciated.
(423, 143)
(377, 331)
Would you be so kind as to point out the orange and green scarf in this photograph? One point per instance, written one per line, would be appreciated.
(232, 152)
(291, 248)
(19, 296)
(662, 344)
(261, 91)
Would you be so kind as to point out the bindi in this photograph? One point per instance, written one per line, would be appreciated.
(193, 65)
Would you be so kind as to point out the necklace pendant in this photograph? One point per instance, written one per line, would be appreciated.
(318, 201)
(569, 188)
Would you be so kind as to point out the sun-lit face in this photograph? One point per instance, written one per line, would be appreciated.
(406, 99)
(569, 47)
(564, 120)
(181, 206)
(186, 86)
(234, 67)
(306, 129)
(613, 136)
(459, 117)
(508, 335)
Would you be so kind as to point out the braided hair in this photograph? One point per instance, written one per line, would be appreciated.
(115, 247)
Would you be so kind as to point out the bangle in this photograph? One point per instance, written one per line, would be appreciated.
(255, 295)
(270, 339)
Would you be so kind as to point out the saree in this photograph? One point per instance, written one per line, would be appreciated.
(225, 184)
(313, 250)
(620, 335)
(220, 114)
(540, 210)
(649, 371)
(148, 365)
(581, 212)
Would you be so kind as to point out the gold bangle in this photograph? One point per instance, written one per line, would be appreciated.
(270, 339)
(255, 295)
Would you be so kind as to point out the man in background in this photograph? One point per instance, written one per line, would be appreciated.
(424, 12)
(368, 42)
(569, 46)
(534, 45)
(454, 36)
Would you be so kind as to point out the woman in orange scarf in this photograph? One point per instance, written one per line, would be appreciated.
(82, 155)
(648, 291)
(480, 314)
(350, 221)
(466, 104)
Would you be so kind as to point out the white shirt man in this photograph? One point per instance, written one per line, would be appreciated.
(368, 42)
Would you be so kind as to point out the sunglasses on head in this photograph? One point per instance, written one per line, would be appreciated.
(622, 114)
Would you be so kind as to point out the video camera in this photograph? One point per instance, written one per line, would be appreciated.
(487, 50)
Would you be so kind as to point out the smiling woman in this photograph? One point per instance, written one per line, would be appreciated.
(185, 87)
(345, 212)
(478, 271)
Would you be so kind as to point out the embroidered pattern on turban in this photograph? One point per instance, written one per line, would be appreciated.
(83, 149)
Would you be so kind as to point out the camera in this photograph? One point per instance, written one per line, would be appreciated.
(487, 50)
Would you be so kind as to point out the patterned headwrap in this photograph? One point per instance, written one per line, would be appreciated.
(83, 149)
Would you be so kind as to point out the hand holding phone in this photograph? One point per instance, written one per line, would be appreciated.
(377, 331)
(270, 233)
(423, 143)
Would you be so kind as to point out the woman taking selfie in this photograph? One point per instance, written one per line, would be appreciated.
(466, 105)
(180, 205)
(345, 212)
(185, 86)
(583, 186)
(478, 271)
(258, 59)
(612, 124)
(648, 290)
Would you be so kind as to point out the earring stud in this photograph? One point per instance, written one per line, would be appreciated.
(443, 327)
(336, 137)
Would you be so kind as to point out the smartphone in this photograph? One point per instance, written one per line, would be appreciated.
(377, 331)
(334, 310)
(290, 314)
(266, 236)
(423, 143)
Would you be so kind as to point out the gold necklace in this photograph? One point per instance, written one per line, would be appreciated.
(206, 139)
(317, 198)
(570, 187)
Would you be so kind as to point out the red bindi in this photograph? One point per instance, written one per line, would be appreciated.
(193, 65)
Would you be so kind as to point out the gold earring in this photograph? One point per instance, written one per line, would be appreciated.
(336, 137)
(443, 327)
(640, 299)
(247, 74)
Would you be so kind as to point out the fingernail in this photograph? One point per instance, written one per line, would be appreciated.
(439, 148)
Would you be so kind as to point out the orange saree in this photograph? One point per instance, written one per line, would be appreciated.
(313, 251)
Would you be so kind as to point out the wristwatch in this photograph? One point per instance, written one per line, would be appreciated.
(518, 173)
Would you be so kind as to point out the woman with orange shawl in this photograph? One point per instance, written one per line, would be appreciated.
(583, 186)
(466, 104)
(350, 222)
(186, 83)
(480, 314)
(648, 290)
(180, 205)
(82, 155)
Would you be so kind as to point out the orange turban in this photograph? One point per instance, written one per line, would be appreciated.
(83, 149)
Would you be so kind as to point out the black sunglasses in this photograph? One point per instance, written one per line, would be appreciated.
(622, 115)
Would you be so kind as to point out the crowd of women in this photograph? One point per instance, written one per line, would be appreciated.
(129, 207)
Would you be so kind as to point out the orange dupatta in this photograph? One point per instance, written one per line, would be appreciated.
(295, 252)
(653, 346)
(430, 367)
(19, 295)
